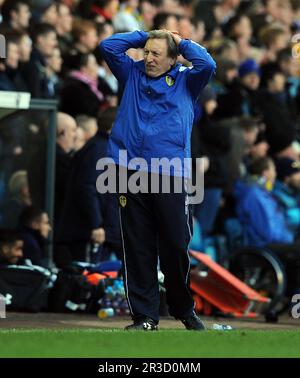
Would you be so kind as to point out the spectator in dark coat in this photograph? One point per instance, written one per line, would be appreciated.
(25, 49)
(9, 66)
(44, 11)
(11, 246)
(211, 140)
(290, 68)
(260, 147)
(53, 69)
(34, 73)
(226, 74)
(80, 93)
(34, 230)
(16, 14)
(64, 28)
(243, 134)
(84, 41)
(65, 140)
(17, 200)
(277, 108)
(241, 98)
(87, 213)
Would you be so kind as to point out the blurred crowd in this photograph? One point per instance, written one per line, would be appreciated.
(246, 126)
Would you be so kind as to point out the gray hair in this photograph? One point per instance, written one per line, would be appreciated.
(161, 34)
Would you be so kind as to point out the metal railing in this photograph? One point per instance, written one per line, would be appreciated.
(12, 103)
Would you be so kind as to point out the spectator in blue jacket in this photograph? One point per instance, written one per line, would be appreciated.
(287, 190)
(262, 218)
(154, 120)
(264, 221)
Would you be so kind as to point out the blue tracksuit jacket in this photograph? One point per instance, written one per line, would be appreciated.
(155, 116)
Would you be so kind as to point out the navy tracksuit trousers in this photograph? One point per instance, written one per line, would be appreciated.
(156, 225)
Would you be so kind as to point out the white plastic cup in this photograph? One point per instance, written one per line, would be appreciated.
(222, 327)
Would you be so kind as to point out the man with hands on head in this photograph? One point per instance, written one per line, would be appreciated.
(154, 120)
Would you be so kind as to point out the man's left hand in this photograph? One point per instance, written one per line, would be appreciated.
(176, 37)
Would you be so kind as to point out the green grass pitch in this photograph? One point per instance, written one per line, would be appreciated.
(165, 343)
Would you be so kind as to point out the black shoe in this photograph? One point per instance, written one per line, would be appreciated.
(193, 322)
(146, 324)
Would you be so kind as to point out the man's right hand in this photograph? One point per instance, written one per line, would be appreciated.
(176, 36)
